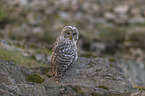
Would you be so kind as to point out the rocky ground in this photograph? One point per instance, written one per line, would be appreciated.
(86, 77)
(112, 29)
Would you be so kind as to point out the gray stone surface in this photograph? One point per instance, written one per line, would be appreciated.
(135, 72)
(10, 73)
(86, 77)
(93, 76)
(22, 90)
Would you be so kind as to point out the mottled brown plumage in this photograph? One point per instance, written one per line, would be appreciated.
(64, 51)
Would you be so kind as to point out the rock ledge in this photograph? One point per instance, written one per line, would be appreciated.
(86, 77)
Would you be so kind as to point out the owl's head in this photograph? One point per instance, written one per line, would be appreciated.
(70, 32)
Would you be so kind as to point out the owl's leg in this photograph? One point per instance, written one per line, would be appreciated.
(54, 71)
(56, 77)
(58, 73)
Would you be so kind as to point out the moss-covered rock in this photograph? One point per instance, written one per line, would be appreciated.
(103, 87)
(35, 78)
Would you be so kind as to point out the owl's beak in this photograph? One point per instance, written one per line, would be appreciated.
(70, 37)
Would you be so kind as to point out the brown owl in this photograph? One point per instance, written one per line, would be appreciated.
(64, 51)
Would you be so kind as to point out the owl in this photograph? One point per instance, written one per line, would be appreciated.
(64, 52)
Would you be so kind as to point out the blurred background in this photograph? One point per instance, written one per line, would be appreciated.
(113, 29)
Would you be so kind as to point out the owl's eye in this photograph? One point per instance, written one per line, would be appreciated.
(68, 33)
(74, 34)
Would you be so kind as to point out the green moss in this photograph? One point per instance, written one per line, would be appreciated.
(140, 88)
(137, 24)
(19, 59)
(88, 55)
(35, 78)
(18, 46)
(98, 70)
(32, 45)
(42, 50)
(140, 24)
(36, 49)
(78, 89)
(116, 33)
(3, 14)
(49, 76)
(111, 59)
(113, 33)
(103, 87)
(106, 76)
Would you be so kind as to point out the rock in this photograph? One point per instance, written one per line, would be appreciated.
(38, 21)
(136, 20)
(121, 9)
(65, 16)
(109, 16)
(23, 2)
(39, 57)
(143, 13)
(37, 30)
(22, 90)
(97, 47)
(135, 11)
(10, 73)
(96, 75)
(5, 45)
(133, 71)
(137, 35)
(121, 19)
(99, 21)
(87, 77)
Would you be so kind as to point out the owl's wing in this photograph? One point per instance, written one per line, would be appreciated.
(58, 41)
(62, 58)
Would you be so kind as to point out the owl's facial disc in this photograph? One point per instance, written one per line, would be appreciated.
(70, 33)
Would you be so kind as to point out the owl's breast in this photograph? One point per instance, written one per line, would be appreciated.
(64, 51)
(67, 49)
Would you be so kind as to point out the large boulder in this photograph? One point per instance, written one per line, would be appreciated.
(91, 77)
(87, 77)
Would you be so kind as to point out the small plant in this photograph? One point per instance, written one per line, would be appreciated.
(35, 78)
